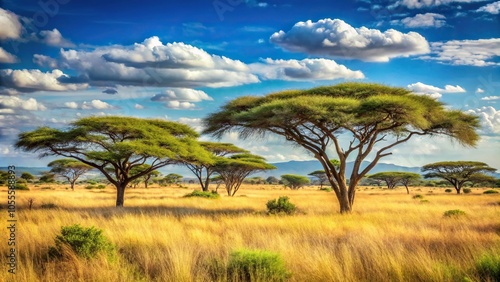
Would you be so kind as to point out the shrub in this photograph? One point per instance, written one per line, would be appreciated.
(256, 265)
(488, 267)
(90, 187)
(467, 190)
(101, 186)
(418, 196)
(448, 190)
(327, 189)
(282, 205)
(20, 186)
(454, 213)
(85, 242)
(203, 194)
(48, 206)
(424, 201)
(490, 191)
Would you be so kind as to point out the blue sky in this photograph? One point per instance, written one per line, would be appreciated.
(181, 60)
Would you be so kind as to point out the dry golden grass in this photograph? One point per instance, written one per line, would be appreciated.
(163, 237)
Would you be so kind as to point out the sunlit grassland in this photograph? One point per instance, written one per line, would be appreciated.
(161, 236)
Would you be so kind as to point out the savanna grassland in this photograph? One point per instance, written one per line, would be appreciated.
(161, 236)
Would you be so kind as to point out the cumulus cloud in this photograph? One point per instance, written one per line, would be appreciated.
(71, 105)
(307, 69)
(180, 105)
(433, 91)
(490, 119)
(45, 61)
(138, 107)
(422, 20)
(492, 8)
(479, 53)
(151, 63)
(35, 80)
(13, 103)
(53, 38)
(6, 57)
(11, 26)
(96, 105)
(479, 90)
(195, 123)
(490, 98)
(181, 94)
(417, 4)
(336, 38)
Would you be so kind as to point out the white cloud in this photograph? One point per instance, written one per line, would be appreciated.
(479, 90)
(180, 105)
(490, 119)
(466, 52)
(423, 20)
(11, 26)
(417, 4)
(54, 38)
(45, 61)
(490, 98)
(71, 105)
(433, 91)
(336, 38)
(138, 107)
(492, 8)
(307, 69)
(96, 104)
(195, 123)
(6, 57)
(182, 94)
(12, 102)
(35, 80)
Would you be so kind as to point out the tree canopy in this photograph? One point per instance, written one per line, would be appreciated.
(458, 172)
(371, 115)
(115, 145)
(393, 178)
(295, 182)
(236, 168)
(71, 169)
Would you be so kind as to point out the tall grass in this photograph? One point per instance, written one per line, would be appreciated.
(161, 236)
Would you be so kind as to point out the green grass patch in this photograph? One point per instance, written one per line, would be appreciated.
(256, 265)
(454, 213)
(203, 194)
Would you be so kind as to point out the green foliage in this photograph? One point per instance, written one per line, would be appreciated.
(488, 267)
(85, 242)
(48, 206)
(90, 187)
(281, 206)
(295, 181)
(327, 189)
(467, 190)
(454, 213)
(418, 196)
(22, 186)
(203, 194)
(448, 190)
(491, 191)
(27, 176)
(173, 178)
(256, 266)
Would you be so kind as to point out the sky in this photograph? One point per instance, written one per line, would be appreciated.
(61, 60)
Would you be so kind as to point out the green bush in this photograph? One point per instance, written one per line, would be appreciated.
(467, 190)
(454, 213)
(85, 242)
(48, 206)
(488, 267)
(203, 194)
(327, 189)
(90, 187)
(256, 265)
(424, 201)
(101, 186)
(418, 196)
(448, 190)
(280, 206)
(20, 186)
(490, 192)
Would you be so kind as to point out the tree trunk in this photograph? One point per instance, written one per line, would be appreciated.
(72, 183)
(205, 186)
(407, 190)
(120, 194)
(344, 199)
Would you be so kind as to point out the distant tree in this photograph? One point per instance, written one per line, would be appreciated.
(254, 180)
(47, 177)
(4, 176)
(204, 170)
(27, 176)
(218, 180)
(370, 115)
(295, 182)
(70, 169)
(272, 180)
(146, 178)
(393, 178)
(407, 178)
(236, 168)
(115, 145)
(321, 176)
(457, 172)
(173, 178)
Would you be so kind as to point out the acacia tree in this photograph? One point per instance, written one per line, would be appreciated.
(70, 169)
(393, 178)
(295, 182)
(234, 169)
(370, 115)
(116, 145)
(458, 172)
(146, 178)
(204, 170)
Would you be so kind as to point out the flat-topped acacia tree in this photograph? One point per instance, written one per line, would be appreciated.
(117, 146)
(371, 114)
(70, 169)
